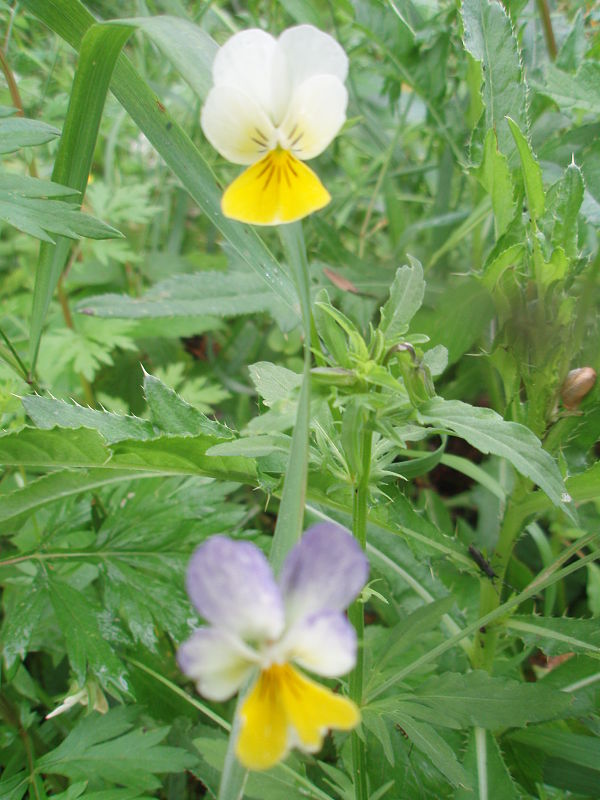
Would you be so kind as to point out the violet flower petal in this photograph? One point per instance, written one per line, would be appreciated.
(232, 586)
(323, 572)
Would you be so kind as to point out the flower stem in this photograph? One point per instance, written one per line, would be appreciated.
(356, 614)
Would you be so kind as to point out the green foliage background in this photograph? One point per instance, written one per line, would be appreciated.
(150, 381)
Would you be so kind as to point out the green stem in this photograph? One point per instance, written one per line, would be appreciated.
(544, 12)
(484, 647)
(15, 355)
(356, 615)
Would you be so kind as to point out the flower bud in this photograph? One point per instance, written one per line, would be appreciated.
(577, 384)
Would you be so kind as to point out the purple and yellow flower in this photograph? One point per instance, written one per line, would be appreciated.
(265, 627)
(274, 104)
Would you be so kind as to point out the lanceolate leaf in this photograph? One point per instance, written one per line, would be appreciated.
(173, 455)
(562, 635)
(406, 296)
(49, 413)
(489, 433)
(490, 39)
(16, 132)
(532, 174)
(215, 293)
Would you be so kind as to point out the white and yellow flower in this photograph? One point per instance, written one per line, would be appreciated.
(259, 626)
(276, 103)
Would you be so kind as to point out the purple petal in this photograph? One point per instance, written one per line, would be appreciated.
(324, 643)
(323, 572)
(232, 586)
(218, 662)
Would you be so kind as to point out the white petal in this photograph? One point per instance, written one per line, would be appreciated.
(253, 62)
(236, 126)
(324, 643)
(218, 662)
(316, 113)
(232, 586)
(310, 52)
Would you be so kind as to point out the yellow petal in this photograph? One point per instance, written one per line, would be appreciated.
(313, 709)
(262, 741)
(284, 705)
(278, 188)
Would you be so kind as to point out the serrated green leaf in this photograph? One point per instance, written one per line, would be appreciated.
(48, 413)
(477, 698)
(171, 414)
(406, 296)
(106, 747)
(16, 132)
(492, 778)
(564, 202)
(494, 175)
(558, 635)
(532, 174)
(489, 433)
(173, 455)
(226, 294)
(489, 38)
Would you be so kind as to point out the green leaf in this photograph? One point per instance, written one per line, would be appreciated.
(489, 38)
(59, 485)
(24, 607)
(406, 296)
(171, 414)
(489, 433)
(48, 413)
(494, 175)
(190, 49)
(172, 455)
(472, 309)
(477, 698)
(579, 91)
(425, 738)
(484, 760)
(224, 294)
(26, 186)
(273, 382)
(74, 157)
(558, 635)
(40, 218)
(532, 174)
(574, 748)
(16, 132)
(106, 747)
(564, 201)
(85, 631)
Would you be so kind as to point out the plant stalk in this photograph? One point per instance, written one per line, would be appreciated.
(356, 615)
